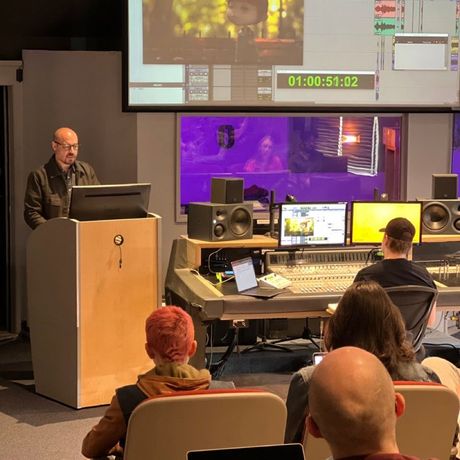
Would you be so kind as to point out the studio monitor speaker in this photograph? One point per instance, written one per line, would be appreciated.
(441, 217)
(226, 190)
(444, 186)
(219, 221)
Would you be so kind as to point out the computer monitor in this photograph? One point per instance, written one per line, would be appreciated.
(103, 202)
(312, 224)
(368, 218)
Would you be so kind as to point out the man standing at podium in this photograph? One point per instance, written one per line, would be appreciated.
(49, 187)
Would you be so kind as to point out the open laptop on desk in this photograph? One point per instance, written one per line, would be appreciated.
(246, 281)
(273, 452)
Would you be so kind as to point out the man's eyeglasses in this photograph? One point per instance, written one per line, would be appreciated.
(68, 147)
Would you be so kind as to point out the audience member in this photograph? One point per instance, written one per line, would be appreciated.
(366, 318)
(396, 269)
(48, 188)
(354, 407)
(170, 344)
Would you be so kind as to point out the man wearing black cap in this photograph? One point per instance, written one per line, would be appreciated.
(396, 269)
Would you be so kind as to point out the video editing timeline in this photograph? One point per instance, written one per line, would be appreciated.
(305, 52)
(226, 82)
(388, 59)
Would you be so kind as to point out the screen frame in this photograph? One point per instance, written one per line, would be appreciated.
(361, 243)
(315, 246)
(310, 106)
(263, 215)
(81, 193)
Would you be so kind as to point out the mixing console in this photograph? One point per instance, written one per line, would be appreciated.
(318, 271)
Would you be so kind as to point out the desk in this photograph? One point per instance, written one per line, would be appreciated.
(194, 247)
(204, 302)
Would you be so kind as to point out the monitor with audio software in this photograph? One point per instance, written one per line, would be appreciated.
(312, 224)
(368, 218)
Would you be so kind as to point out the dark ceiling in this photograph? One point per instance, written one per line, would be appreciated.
(59, 25)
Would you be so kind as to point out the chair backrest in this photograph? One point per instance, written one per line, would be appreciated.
(415, 304)
(425, 430)
(169, 426)
(428, 426)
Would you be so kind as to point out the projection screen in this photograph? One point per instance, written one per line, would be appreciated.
(256, 54)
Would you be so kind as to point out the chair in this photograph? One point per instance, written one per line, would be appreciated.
(415, 304)
(425, 430)
(169, 426)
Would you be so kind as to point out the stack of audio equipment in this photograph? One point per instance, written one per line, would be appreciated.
(226, 217)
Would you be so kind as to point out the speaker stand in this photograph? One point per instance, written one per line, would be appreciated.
(306, 335)
(264, 344)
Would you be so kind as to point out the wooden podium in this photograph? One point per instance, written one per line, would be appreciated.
(91, 285)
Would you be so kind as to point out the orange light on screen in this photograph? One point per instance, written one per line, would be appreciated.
(351, 138)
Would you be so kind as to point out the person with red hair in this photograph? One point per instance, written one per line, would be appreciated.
(170, 343)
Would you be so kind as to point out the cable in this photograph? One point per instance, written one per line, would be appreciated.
(197, 273)
(209, 260)
(118, 240)
(211, 344)
(372, 252)
(224, 281)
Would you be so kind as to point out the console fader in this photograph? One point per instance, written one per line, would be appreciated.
(318, 271)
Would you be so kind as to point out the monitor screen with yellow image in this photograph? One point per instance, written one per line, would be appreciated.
(369, 218)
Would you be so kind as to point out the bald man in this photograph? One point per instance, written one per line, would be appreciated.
(354, 407)
(48, 188)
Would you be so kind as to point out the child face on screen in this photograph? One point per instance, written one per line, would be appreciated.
(242, 13)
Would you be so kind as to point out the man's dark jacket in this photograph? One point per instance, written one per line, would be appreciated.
(46, 192)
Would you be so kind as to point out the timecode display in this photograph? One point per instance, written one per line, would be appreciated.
(317, 80)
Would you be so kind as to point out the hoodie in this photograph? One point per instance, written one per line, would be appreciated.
(104, 438)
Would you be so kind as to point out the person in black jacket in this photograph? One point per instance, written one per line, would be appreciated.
(396, 269)
(48, 188)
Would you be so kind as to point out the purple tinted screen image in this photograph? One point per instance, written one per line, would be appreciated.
(329, 158)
